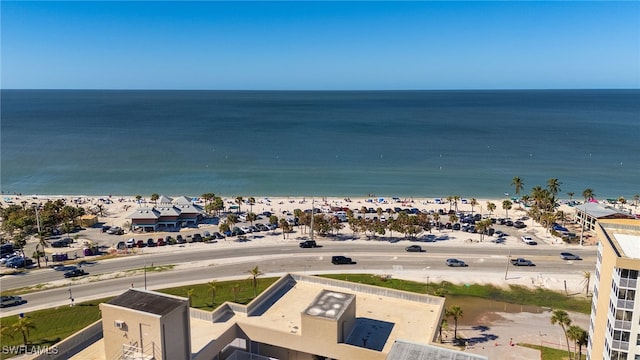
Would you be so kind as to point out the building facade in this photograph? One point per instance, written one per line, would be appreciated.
(614, 330)
(167, 214)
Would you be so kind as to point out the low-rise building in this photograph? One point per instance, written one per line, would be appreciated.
(166, 215)
(298, 317)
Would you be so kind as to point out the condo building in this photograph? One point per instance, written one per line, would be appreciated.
(614, 330)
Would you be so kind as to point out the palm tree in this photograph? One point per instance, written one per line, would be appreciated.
(284, 225)
(138, 198)
(622, 202)
(561, 318)
(450, 200)
(24, 325)
(586, 276)
(251, 201)
(553, 185)
(154, 198)
(588, 194)
(239, 201)
(506, 205)
(212, 287)
(636, 199)
(456, 313)
(491, 207)
(518, 184)
(443, 325)
(571, 193)
(473, 202)
(190, 295)
(456, 198)
(6, 331)
(255, 272)
(235, 289)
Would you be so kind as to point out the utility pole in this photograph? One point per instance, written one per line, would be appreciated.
(312, 216)
(506, 270)
(145, 274)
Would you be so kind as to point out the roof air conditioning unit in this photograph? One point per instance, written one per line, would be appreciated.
(119, 324)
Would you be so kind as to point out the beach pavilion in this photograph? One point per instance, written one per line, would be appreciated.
(170, 214)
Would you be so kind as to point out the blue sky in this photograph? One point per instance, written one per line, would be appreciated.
(320, 45)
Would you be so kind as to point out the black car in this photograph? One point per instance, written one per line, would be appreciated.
(341, 260)
(413, 248)
(197, 237)
(217, 235)
(308, 244)
(75, 273)
(180, 239)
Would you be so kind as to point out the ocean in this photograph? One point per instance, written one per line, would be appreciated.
(319, 143)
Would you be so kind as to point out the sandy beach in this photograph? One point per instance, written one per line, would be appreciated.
(115, 210)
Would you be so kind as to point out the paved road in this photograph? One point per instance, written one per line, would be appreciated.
(204, 262)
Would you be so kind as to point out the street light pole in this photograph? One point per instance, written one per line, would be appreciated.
(145, 274)
(506, 270)
(70, 295)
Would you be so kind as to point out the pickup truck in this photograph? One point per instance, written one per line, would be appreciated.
(522, 262)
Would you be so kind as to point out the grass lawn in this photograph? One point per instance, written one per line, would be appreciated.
(515, 294)
(548, 353)
(55, 324)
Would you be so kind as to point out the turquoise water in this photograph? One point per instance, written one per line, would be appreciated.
(332, 143)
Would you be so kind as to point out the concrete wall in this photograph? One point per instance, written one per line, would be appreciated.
(75, 343)
(137, 326)
(176, 334)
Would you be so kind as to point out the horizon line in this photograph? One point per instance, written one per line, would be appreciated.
(319, 90)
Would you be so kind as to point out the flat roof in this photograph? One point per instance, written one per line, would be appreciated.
(625, 234)
(629, 244)
(159, 304)
(402, 350)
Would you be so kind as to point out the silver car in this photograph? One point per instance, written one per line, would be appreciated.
(456, 263)
(569, 256)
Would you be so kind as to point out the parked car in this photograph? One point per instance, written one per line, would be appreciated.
(456, 263)
(413, 248)
(150, 243)
(131, 242)
(75, 273)
(180, 239)
(197, 238)
(341, 260)
(10, 301)
(569, 256)
(140, 243)
(528, 240)
(217, 235)
(308, 244)
(19, 262)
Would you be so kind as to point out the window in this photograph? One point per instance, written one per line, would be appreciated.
(624, 315)
(628, 274)
(621, 335)
(625, 294)
(638, 340)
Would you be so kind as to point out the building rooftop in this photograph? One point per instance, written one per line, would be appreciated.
(403, 350)
(600, 211)
(625, 236)
(147, 301)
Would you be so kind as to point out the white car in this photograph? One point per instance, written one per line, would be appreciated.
(246, 229)
(529, 240)
(131, 243)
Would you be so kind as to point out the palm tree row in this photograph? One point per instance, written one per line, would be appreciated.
(571, 332)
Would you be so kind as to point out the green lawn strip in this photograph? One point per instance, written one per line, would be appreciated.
(238, 291)
(55, 324)
(548, 353)
(515, 294)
